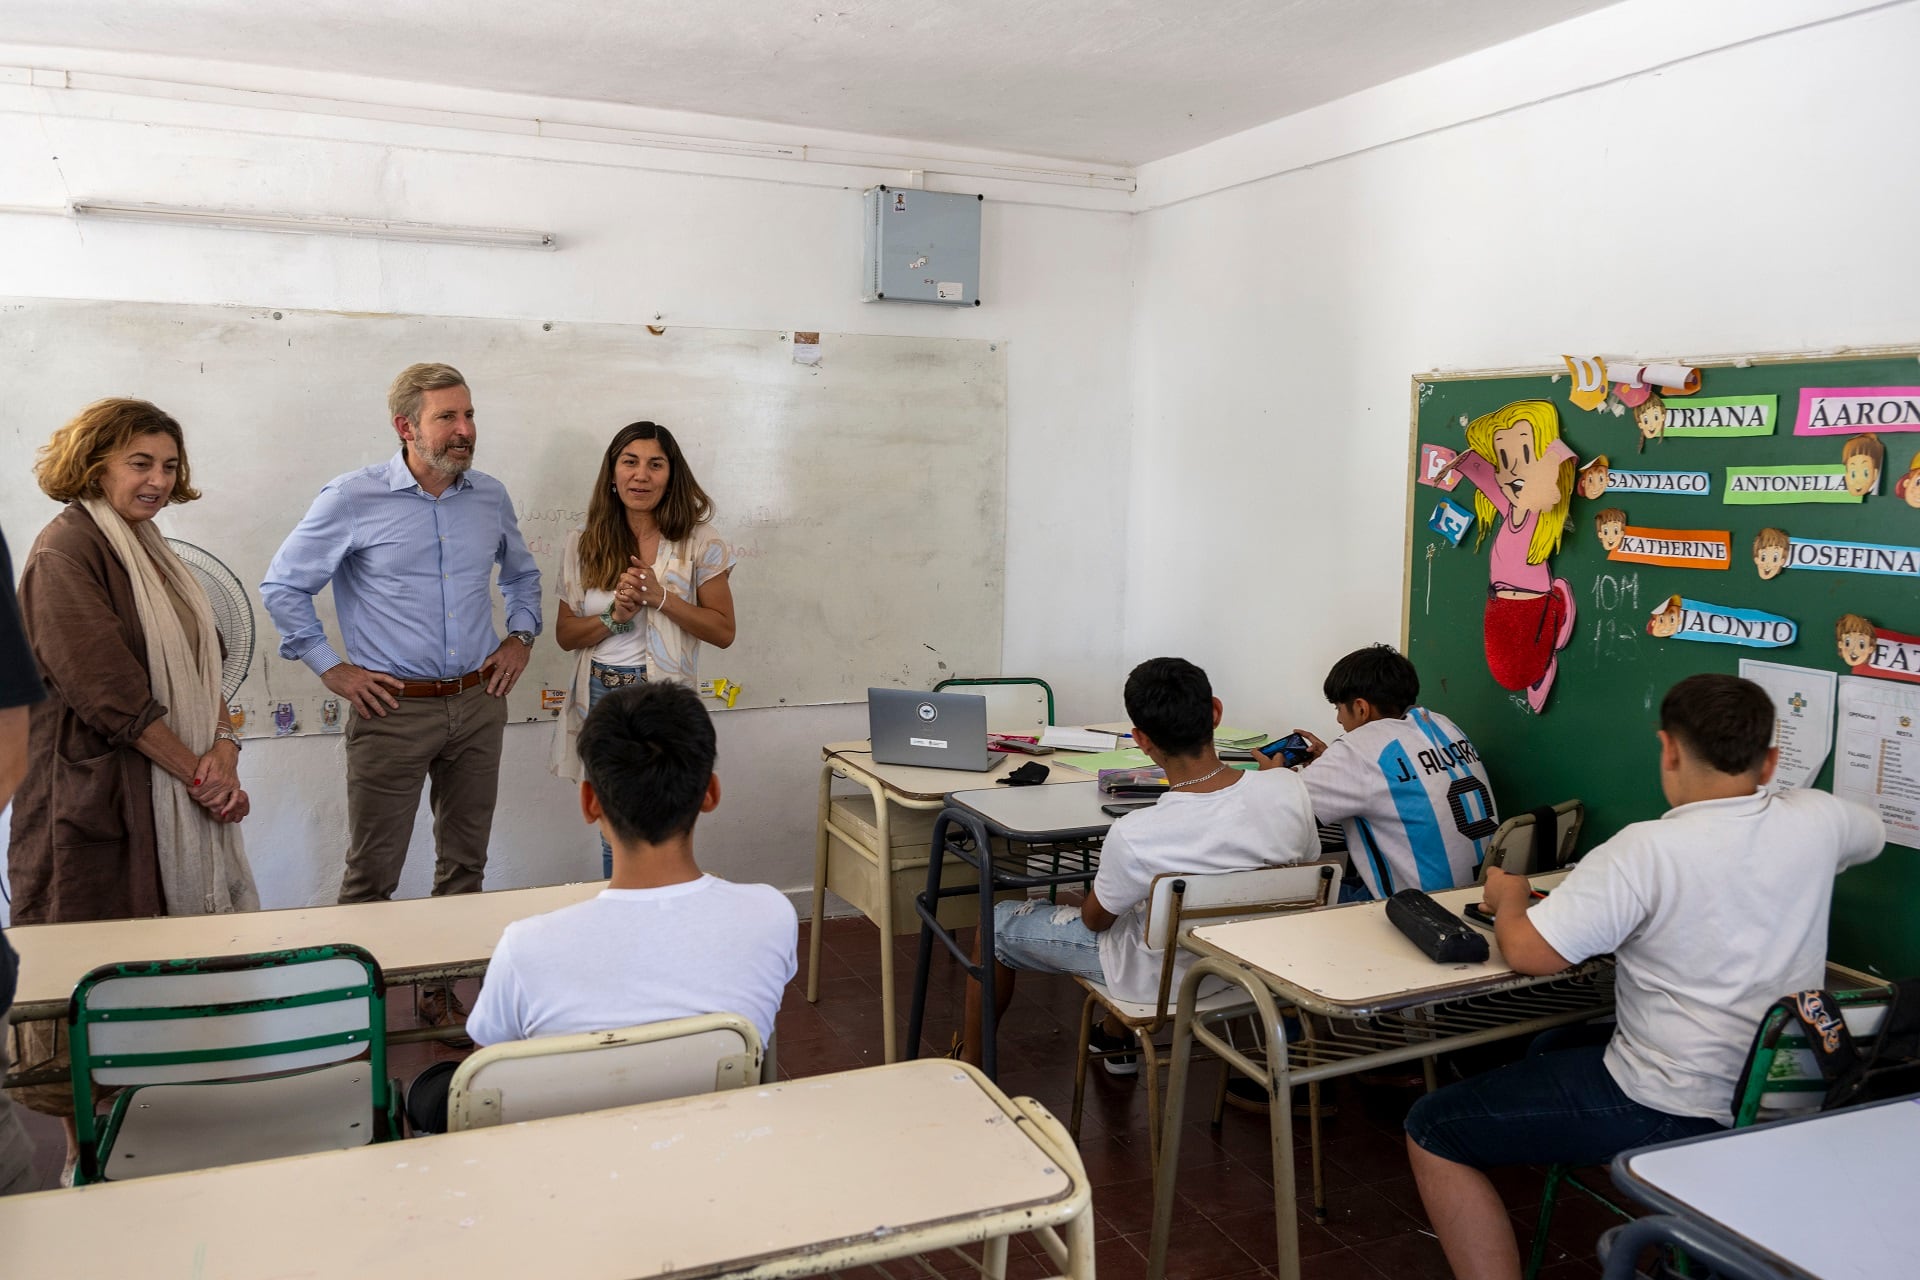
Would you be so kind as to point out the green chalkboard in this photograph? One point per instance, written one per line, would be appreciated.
(1595, 739)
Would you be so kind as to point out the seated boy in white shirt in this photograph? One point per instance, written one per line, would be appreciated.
(1212, 818)
(1712, 911)
(1403, 782)
(663, 939)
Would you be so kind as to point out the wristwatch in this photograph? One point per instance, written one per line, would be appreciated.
(524, 637)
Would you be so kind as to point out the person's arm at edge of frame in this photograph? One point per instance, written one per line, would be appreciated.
(1507, 896)
(305, 563)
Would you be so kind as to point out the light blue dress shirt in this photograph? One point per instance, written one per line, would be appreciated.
(412, 574)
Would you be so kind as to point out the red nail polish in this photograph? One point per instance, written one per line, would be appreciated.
(196, 782)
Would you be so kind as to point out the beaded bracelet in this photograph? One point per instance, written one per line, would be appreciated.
(616, 628)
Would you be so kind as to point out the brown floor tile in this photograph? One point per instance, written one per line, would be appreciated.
(1411, 1255)
(1220, 1190)
(1357, 1215)
(1198, 1250)
(1254, 1233)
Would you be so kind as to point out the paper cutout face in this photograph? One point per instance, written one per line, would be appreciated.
(1854, 636)
(1593, 478)
(1611, 526)
(1523, 476)
(1770, 548)
(1650, 416)
(1907, 488)
(1667, 618)
(1864, 456)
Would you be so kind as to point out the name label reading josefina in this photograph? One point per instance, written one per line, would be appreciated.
(1806, 482)
(1715, 416)
(1827, 411)
(1722, 624)
(1694, 483)
(1853, 557)
(1675, 548)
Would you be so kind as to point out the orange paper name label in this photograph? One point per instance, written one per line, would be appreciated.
(1674, 548)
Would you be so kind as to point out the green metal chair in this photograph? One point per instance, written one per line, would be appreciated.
(225, 1059)
(1015, 704)
(1781, 1078)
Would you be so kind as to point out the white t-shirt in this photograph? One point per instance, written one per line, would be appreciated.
(631, 956)
(1713, 912)
(1413, 798)
(1263, 820)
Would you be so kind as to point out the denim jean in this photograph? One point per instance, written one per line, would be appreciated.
(606, 678)
(1039, 936)
(1556, 1105)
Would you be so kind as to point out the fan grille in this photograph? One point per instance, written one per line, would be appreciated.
(232, 611)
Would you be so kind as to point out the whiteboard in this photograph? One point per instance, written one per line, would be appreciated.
(865, 494)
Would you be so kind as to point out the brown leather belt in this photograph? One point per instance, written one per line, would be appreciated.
(440, 688)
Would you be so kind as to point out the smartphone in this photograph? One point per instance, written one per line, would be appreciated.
(1292, 750)
(1478, 913)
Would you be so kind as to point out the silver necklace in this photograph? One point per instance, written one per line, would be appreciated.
(1194, 782)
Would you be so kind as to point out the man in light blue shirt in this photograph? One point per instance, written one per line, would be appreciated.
(410, 546)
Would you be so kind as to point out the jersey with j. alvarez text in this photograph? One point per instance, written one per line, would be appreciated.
(1413, 798)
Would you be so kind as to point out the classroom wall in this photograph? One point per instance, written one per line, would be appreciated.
(1652, 179)
(754, 244)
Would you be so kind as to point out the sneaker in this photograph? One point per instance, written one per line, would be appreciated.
(1123, 1050)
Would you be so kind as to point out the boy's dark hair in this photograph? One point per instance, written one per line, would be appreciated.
(1380, 674)
(1724, 720)
(648, 749)
(1172, 700)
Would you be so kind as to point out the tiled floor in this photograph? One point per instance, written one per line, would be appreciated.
(1224, 1220)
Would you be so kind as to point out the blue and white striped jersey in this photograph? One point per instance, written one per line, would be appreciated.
(1413, 798)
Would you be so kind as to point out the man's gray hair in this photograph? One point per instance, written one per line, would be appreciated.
(404, 396)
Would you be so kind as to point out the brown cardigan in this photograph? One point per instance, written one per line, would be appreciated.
(83, 845)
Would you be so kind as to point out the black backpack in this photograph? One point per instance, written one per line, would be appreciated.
(1889, 1068)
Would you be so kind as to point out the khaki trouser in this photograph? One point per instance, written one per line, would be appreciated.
(16, 1149)
(455, 741)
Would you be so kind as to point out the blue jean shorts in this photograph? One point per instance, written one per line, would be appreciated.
(1556, 1105)
(1039, 937)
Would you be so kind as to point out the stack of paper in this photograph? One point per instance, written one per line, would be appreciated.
(1078, 739)
(1243, 739)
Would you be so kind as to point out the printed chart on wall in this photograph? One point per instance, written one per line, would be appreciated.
(1583, 537)
(1879, 763)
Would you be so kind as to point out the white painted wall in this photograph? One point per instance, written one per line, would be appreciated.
(774, 251)
(1744, 198)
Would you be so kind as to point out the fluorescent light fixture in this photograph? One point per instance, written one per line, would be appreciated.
(302, 224)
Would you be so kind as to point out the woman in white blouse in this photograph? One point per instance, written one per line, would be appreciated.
(642, 586)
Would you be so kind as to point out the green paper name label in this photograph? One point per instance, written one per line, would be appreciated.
(1807, 482)
(1712, 416)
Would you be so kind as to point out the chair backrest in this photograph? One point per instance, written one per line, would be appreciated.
(1177, 902)
(561, 1075)
(1511, 846)
(1783, 1076)
(1015, 704)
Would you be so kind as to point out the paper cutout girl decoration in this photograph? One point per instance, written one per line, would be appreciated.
(1522, 473)
(1863, 455)
(1593, 477)
(1771, 547)
(1907, 487)
(1853, 636)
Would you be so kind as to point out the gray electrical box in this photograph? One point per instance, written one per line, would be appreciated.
(922, 246)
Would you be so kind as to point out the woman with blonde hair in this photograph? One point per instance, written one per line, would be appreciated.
(1523, 476)
(132, 794)
(642, 586)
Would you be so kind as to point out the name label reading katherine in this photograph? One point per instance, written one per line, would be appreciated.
(1692, 483)
(1804, 482)
(1674, 548)
(1717, 416)
(1853, 557)
(1722, 624)
(1829, 411)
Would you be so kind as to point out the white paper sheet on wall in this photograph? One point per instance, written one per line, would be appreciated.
(1802, 716)
(1878, 760)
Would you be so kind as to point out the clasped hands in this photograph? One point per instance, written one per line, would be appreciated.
(215, 785)
(637, 588)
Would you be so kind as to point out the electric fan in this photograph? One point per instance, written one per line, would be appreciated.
(232, 612)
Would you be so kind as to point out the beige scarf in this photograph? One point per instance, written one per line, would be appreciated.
(203, 864)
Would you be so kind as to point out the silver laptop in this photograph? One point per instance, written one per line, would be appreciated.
(932, 730)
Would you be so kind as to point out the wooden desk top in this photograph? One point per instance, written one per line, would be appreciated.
(1351, 959)
(899, 1158)
(408, 938)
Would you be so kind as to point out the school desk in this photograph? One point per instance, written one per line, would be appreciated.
(414, 939)
(1013, 838)
(1822, 1197)
(871, 849)
(824, 1174)
(1380, 1002)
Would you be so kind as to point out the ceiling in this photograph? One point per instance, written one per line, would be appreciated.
(1112, 81)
